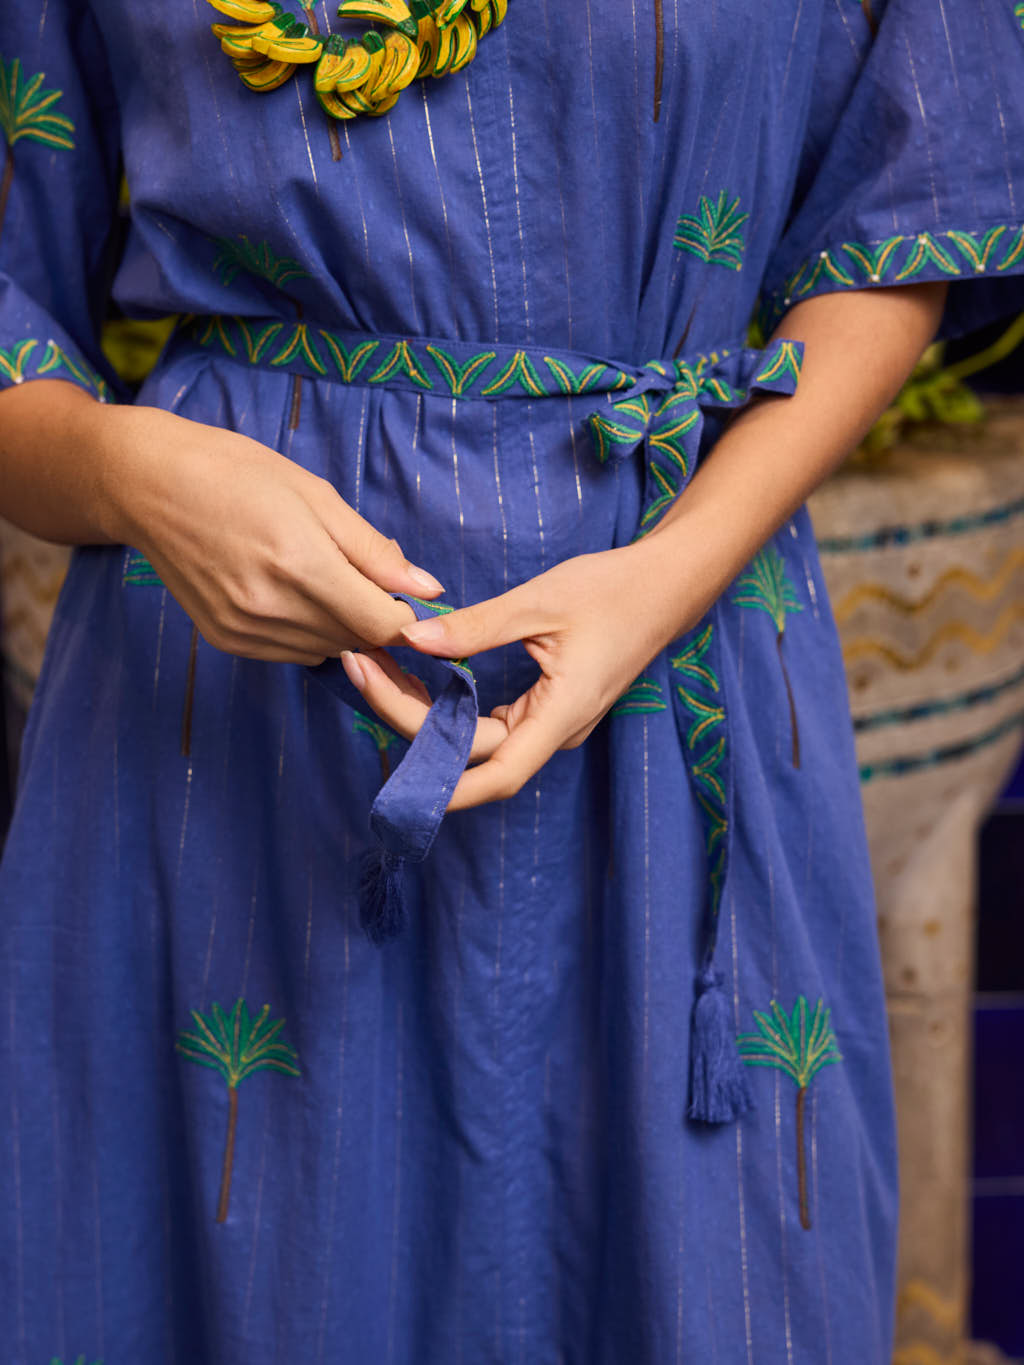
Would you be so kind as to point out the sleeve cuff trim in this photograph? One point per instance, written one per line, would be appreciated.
(899, 260)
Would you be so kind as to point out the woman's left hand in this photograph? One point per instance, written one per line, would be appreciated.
(592, 624)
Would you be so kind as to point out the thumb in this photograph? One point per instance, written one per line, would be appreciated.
(486, 625)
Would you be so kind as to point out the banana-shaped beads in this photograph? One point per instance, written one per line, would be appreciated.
(356, 75)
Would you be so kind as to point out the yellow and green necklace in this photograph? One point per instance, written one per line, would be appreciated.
(362, 75)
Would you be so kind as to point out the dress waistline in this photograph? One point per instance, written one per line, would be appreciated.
(467, 370)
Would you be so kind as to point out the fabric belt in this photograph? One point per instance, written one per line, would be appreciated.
(658, 407)
(659, 403)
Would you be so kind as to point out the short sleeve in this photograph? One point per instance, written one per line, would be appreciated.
(913, 164)
(58, 195)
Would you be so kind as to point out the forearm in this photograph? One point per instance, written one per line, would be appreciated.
(859, 349)
(53, 474)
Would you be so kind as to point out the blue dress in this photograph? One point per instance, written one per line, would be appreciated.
(505, 320)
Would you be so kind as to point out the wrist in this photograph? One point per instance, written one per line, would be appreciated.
(689, 560)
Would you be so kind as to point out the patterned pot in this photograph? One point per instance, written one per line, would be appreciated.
(924, 558)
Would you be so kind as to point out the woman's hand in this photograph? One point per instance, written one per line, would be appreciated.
(592, 624)
(265, 557)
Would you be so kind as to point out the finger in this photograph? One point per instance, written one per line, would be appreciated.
(402, 702)
(548, 719)
(398, 675)
(381, 560)
(514, 615)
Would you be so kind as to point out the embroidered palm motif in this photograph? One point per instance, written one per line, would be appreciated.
(28, 111)
(714, 232)
(236, 1046)
(799, 1045)
(766, 586)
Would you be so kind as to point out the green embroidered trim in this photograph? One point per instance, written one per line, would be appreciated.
(853, 265)
(641, 698)
(300, 344)
(412, 360)
(438, 608)
(256, 258)
(138, 572)
(401, 361)
(257, 342)
(442, 609)
(1018, 11)
(707, 769)
(800, 1047)
(14, 359)
(519, 370)
(14, 366)
(765, 586)
(707, 748)
(349, 362)
(56, 358)
(27, 110)
(786, 362)
(213, 329)
(714, 233)
(457, 376)
(572, 383)
(236, 1046)
(705, 715)
(80, 1360)
(689, 661)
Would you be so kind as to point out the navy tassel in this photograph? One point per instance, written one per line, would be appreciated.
(718, 1084)
(381, 905)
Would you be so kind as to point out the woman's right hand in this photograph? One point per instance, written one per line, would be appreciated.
(266, 558)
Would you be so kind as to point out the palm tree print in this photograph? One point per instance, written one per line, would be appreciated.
(27, 110)
(382, 737)
(800, 1046)
(714, 233)
(236, 1045)
(659, 55)
(257, 259)
(767, 586)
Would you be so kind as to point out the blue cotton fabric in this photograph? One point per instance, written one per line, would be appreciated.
(470, 1145)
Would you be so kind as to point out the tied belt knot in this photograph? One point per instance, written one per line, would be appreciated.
(663, 411)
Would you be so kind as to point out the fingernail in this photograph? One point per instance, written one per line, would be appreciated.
(350, 664)
(424, 579)
(424, 632)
